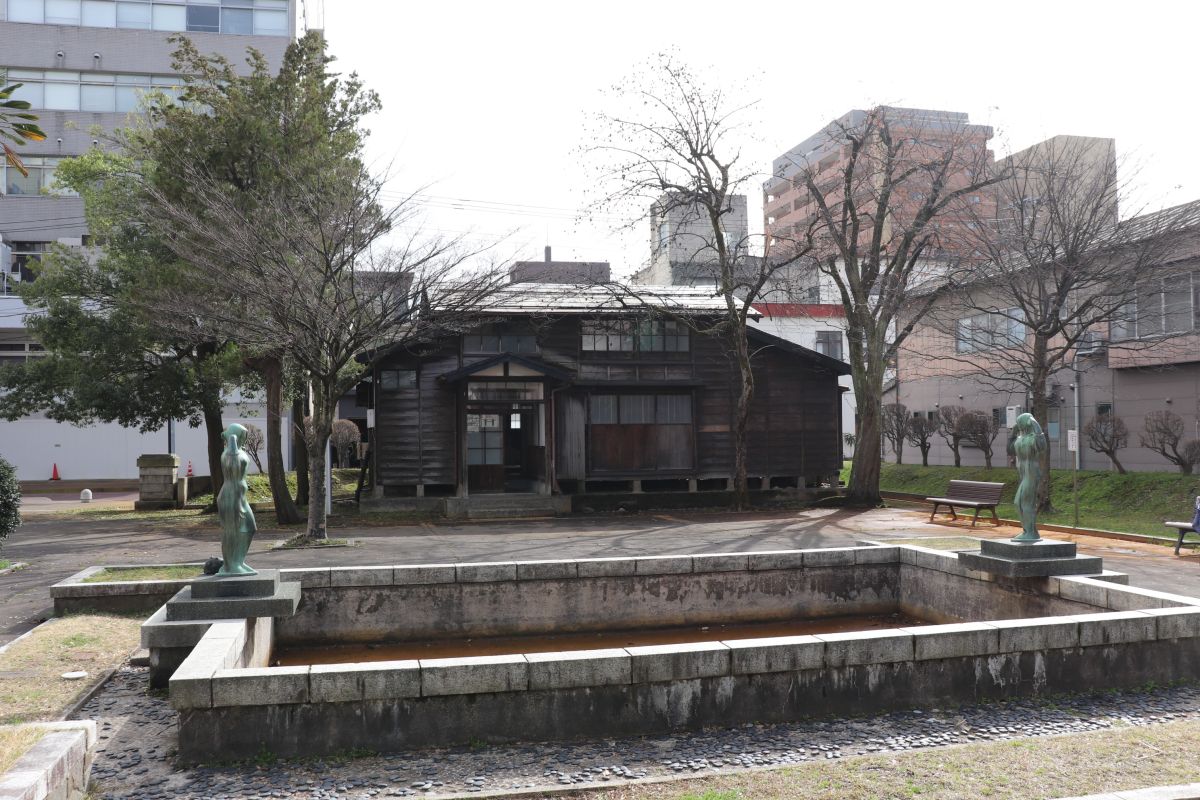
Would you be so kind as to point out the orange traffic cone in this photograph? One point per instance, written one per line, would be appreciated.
(189, 472)
(54, 474)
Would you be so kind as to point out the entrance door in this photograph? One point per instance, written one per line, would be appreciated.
(502, 450)
(485, 453)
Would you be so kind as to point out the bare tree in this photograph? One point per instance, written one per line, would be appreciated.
(344, 440)
(896, 423)
(1107, 433)
(950, 428)
(979, 430)
(254, 444)
(920, 435)
(877, 193)
(1163, 432)
(294, 272)
(681, 151)
(1060, 271)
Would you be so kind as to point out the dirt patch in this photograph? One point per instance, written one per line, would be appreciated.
(31, 683)
(1020, 769)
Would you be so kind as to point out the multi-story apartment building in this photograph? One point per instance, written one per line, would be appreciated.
(789, 207)
(84, 65)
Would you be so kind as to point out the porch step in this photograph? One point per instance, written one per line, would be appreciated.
(507, 505)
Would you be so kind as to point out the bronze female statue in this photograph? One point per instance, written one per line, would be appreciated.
(237, 518)
(1027, 447)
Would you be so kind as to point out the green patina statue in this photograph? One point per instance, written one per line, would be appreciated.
(237, 518)
(1027, 447)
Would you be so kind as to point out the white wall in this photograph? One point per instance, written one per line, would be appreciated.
(34, 444)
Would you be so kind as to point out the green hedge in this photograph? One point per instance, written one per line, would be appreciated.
(10, 500)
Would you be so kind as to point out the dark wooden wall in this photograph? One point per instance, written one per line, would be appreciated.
(416, 428)
(794, 422)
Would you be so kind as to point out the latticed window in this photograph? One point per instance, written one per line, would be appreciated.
(644, 336)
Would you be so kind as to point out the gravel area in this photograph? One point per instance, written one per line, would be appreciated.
(138, 730)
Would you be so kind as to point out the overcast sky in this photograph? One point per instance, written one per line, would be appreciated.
(485, 102)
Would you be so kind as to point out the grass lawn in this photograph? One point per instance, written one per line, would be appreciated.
(165, 573)
(1021, 769)
(5, 563)
(15, 741)
(344, 483)
(31, 683)
(1138, 502)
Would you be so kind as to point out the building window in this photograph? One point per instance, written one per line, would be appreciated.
(640, 409)
(504, 391)
(57, 90)
(829, 343)
(644, 335)
(491, 340)
(998, 417)
(17, 352)
(205, 19)
(1162, 306)
(1103, 408)
(392, 380)
(991, 329)
(1052, 423)
(485, 440)
(22, 269)
(259, 17)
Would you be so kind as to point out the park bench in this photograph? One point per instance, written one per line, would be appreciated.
(1184, 528)
(969, 494)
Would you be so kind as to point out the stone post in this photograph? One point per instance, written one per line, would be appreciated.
(157, 475)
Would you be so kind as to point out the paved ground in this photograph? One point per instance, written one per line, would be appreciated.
(58, 547)
(138, 734)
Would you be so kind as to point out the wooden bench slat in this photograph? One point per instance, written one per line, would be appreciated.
(979, 495)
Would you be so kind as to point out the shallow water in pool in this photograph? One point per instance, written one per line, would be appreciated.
(588, 640)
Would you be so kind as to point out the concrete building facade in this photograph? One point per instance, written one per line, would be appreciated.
(84, 66)
(682, 247)
(1128, 370)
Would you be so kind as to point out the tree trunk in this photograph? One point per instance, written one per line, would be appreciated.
(924, 456)
(741, 420)
(286, 512)
(300, 448)
(213, 427)
(322, 427)
(1116, 463)
(899, 452)
(957, 448)
(864, 471)
(987, 460)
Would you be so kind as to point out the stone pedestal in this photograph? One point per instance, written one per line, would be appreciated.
(157, 475)
(1038, 559)
(173, 630)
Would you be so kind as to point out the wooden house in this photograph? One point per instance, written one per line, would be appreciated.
(566, 390)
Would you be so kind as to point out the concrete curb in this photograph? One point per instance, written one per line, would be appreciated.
(56, 766)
